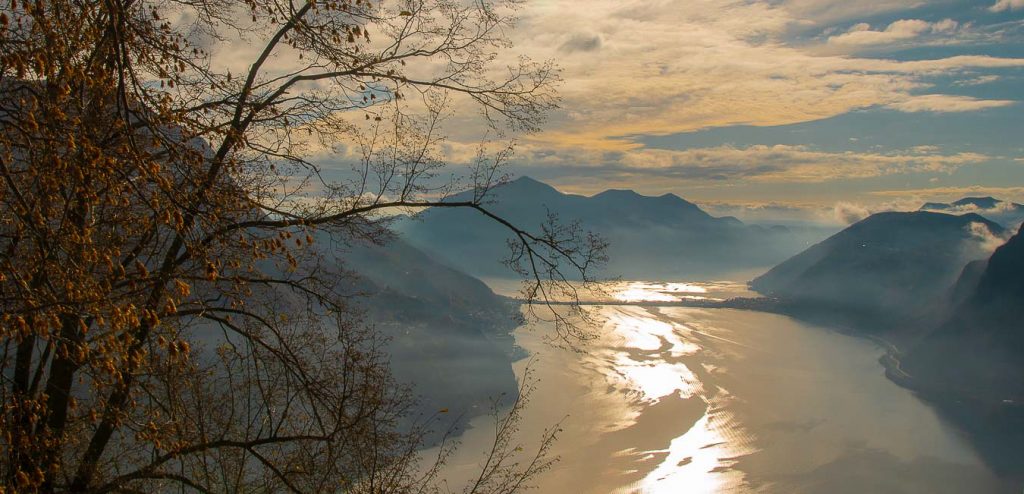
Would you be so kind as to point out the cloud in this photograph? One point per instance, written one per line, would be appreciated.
(848, 213)
(978, 81)
(581, 42)
(771, 207)
(757, 163)
(841, 213)
(1001, 207)
(655, 67)
(770, 212)
(905, 29)
(1005, 5)
(947, 194)
(944, 103)
(945, 26)
(988, 241)
(664, 68)
(832, 11)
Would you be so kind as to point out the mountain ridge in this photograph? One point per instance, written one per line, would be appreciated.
(1009, 214)
(882, 271)
(987, 322)
(649, 236)
(970, 365)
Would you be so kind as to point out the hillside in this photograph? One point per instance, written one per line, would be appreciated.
(662, 237)
(449, 332)
(981, 346)
(884, 270)
(971, 366)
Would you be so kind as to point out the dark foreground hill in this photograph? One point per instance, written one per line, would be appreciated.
(980, 348)
(663, 237)
(972, 364)
(884, 271)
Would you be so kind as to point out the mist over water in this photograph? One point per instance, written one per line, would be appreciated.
(675, 399)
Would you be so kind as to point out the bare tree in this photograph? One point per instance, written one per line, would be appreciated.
(168, 321)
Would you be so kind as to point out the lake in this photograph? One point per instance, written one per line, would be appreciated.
(676, 399)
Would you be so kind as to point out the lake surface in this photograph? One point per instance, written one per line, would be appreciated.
(685, 400)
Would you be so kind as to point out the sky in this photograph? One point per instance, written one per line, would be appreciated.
(781, 107)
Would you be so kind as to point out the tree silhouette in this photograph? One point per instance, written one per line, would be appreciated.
(168, 318)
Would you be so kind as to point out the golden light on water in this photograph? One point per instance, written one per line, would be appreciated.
(695, 462)
(647, 363)
(642, 332)
(655, 380)
(638, 291)
(674, 400)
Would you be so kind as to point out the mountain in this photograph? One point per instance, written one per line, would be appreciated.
(967, 282)
(971, 367)
(981, 346)
(1005, 213)
(650, 237)
(449, 333)
(972, 202)
(446, 336)
(882, 271)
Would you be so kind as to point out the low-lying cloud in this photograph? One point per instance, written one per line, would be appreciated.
(987, 240)
(848, 213)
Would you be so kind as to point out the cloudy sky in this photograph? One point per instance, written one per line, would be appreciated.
(782, 105)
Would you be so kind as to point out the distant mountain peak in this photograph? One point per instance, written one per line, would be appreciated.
(934, 206)
(670, 197)
(1005, 213)
(527, 180)
(975, 217)
(630, 194)
(980, 202)
(657, 235)
(618, 193)
(987, 202)
(528, 186)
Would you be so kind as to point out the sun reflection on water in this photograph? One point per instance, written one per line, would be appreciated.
(696, 462)
(642, 332)
(637, 291)
(656, 380)
(648, 361)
